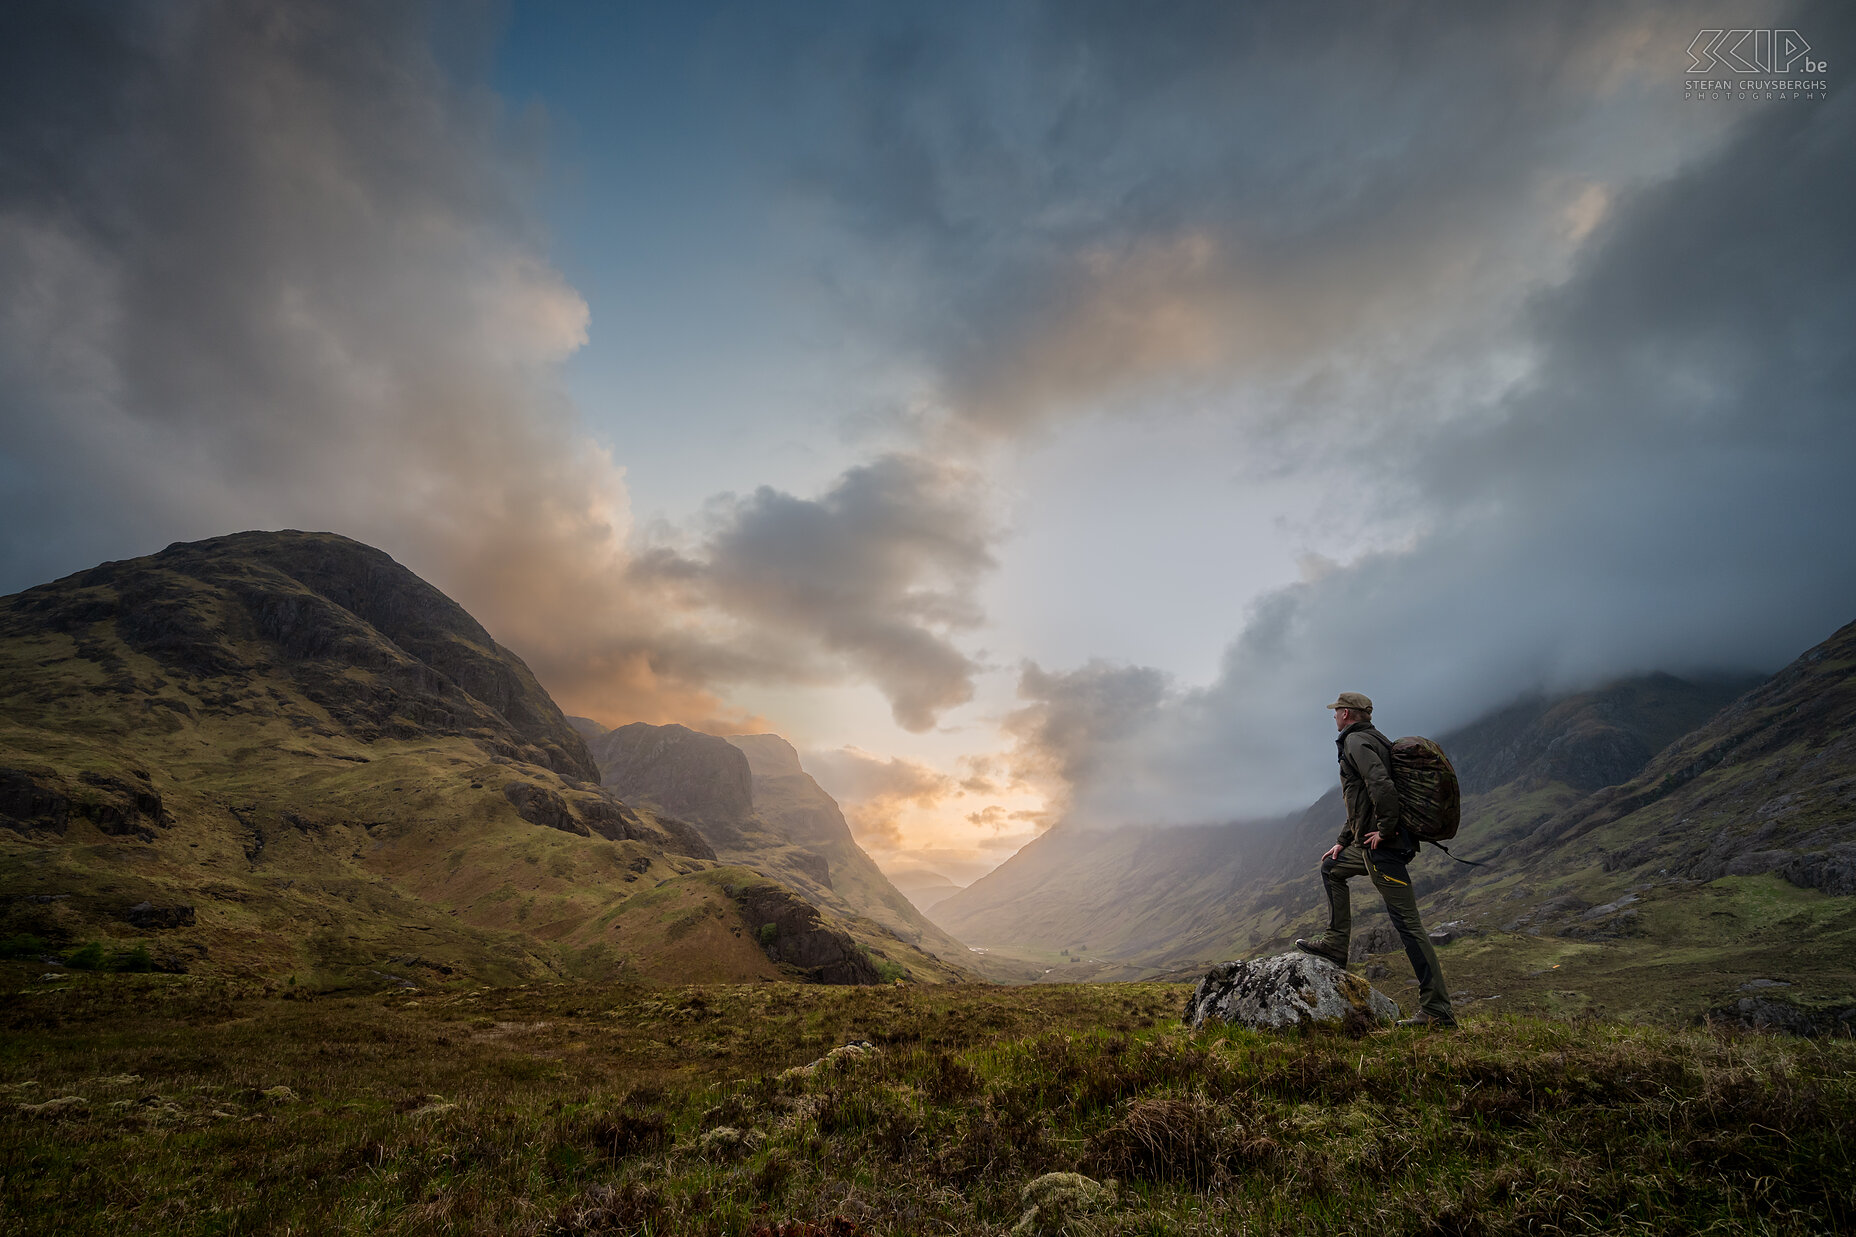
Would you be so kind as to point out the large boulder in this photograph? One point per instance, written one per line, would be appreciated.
(1288, 990)
(792, 931)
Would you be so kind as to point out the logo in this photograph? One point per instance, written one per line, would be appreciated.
(1751, 51)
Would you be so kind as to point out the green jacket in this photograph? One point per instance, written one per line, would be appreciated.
(1366, 785)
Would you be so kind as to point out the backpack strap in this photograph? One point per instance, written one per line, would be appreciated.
(1474, 863)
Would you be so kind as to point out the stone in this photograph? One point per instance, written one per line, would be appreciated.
(63, 1106)
(1381, 938)
(1053, 1199)
(1289, 990)
(1833, 871)
(726, 1142)
(838, 1059)
(1758, 1013)
(539, 805)
(148, 915)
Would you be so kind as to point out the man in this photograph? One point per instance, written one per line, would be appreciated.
(1375, 843)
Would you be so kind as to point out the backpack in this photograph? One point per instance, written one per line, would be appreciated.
(1429, 800)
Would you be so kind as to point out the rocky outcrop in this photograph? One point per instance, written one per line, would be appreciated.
(815, 866)
(1832, 870)
(792, 931)
(540, 806)
(1289, 990)
(1759, 1013)
(40, 801)
(1821, 860)
(595, 813)
(1380, 938)
(33, 801)
(148, 916)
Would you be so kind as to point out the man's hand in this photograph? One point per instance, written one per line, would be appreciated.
(1333, 853)
(1372, 840)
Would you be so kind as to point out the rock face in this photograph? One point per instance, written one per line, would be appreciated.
(42, 802)
(687, 774)
(1380, 938)
(1286, 991)
(793, 932)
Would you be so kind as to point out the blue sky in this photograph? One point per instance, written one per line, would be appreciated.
(1034, 410)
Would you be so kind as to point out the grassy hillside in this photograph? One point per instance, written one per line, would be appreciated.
(181, 1105)
(214, 760)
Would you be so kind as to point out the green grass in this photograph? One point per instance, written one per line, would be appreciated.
(211, 1106)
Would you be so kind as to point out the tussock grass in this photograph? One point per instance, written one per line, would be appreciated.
(133, 1103)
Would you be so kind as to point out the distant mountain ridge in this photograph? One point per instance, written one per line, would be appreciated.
(753, 802)
(1588, 739)
(1767, 785)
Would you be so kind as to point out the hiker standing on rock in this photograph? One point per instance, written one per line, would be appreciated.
(1375, 843)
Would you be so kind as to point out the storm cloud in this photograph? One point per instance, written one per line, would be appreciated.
(1104, 204)
(1667, 489)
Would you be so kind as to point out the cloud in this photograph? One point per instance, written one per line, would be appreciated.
(1074, 720)
(269, 264)
(1093, 202)
(880, 572)
(852, 773)
(877, 791)
(906, 812)
(267, 269)
(1666, 489)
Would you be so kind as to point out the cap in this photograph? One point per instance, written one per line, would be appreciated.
(1352, 700)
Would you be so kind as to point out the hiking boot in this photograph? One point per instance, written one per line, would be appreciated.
(1321, 951)
(1426, 1021)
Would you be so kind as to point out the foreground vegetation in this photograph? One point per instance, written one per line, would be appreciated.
(176, 1104)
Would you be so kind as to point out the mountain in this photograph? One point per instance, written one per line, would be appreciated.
(752, 802)
(1680, 833)
(1767, 786)
(922, 886)
(284, 753)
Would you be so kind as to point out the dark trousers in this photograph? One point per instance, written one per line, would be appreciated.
(1389, 877)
